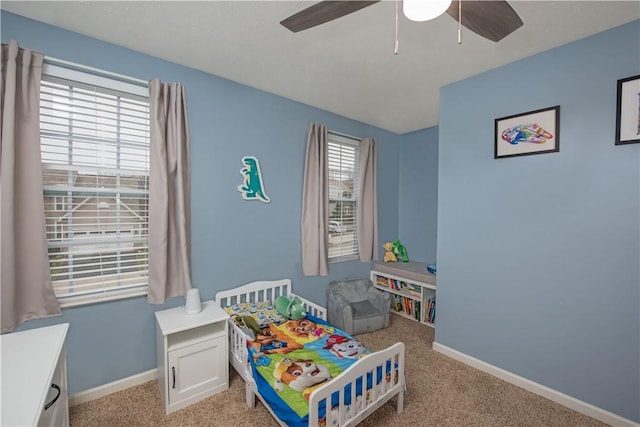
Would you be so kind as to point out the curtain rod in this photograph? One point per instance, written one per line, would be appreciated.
(344, 135)
(122, 77)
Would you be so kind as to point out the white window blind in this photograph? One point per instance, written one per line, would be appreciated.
(343, 158)
(95, 161)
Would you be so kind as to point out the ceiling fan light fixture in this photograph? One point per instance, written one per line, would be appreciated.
(424, 10)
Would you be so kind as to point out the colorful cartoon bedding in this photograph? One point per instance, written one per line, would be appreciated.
(291, 358)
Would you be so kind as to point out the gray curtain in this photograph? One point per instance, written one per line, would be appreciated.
(27, 291)
(169, 193)
(367, 212)
(315, 204)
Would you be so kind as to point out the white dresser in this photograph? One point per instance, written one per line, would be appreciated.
(34, 377)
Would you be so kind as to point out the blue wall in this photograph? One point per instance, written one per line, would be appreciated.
(418, 193)
(538, 256)
(233, 241)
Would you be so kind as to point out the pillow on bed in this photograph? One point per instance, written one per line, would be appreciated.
(262, 312)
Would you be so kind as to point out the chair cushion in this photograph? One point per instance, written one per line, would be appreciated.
(364, 309)
(366, 317)
(355, 306)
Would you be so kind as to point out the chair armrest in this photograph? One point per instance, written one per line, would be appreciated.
(339, 311)
(379, 298)
(338, 301)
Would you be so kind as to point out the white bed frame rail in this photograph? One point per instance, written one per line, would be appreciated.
(345, 416)
(266, 290)
(389, 362)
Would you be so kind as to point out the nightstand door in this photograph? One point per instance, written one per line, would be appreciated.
(196, 369)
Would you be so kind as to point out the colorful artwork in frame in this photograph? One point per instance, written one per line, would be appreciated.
(533, 132)
(628, 111)
(253, 187)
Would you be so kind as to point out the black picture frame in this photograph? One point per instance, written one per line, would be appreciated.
(628, 111)
(533, 132)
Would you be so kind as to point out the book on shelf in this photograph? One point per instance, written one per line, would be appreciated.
(390, 283)
(430, 310)
(408, 306)
(397, 302)
(414, 290)
(382, 281)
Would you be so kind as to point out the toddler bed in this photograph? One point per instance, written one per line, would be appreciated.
(306, 372)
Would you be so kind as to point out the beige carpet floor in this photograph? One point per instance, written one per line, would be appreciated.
(440, 392)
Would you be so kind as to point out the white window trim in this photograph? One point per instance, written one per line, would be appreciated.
(84, 75)
(69, 71)
(341, 138)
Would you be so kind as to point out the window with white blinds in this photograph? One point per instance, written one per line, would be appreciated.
(94, 135)
(343, 197)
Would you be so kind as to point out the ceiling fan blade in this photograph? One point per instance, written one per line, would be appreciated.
(322, 12)
(493, 20)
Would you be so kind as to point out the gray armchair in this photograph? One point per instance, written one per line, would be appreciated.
(356, 306)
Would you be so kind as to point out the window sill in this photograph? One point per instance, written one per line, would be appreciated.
(76, 301)
(352, 257)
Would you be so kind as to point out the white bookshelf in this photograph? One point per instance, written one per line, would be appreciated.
(412, 289)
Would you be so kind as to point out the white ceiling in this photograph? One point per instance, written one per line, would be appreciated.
(346, 66)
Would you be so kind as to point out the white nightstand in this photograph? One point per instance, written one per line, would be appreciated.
(193, 359)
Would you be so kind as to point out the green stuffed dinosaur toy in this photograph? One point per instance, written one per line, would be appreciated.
(400, 251)
(291, 308)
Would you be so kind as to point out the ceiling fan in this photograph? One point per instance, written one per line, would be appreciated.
(493, 19)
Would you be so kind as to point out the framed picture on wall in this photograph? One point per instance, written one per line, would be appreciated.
(628, 111)
(533, 132)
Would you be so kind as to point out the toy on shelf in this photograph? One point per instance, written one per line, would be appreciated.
(400, 251)
(389, 256)
(291, 308)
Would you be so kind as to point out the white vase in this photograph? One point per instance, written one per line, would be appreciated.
(192, 305)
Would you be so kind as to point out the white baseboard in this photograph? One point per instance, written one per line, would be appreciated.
(539, 389)
(119, 385)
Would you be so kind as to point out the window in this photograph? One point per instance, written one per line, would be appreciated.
(343, 191)
(59, 203)
(94, 134)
